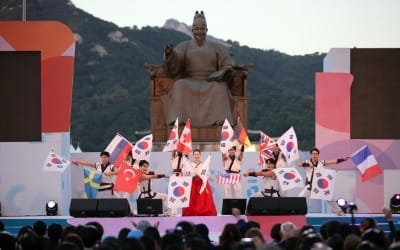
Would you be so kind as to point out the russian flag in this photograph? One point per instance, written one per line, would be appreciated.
(366, 163)
(118, 148)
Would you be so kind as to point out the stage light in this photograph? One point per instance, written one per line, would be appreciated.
(352, 207)
(395, 203)
(347, 207)
(51, 208)
(342, 203)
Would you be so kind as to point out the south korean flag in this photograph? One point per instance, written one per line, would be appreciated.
(323, 184)
(228, 138)
(179, 191)
(288, 145)
(142, 148)
(55, 163)
(288, 178)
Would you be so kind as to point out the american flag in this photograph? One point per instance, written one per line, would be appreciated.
(228, 178)
(266, 148)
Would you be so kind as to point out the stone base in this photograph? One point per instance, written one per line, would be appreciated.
(206, 134)
(203, 146)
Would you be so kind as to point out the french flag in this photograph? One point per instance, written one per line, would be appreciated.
(366, 163)
(118, 148)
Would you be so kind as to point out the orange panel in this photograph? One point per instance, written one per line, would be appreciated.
(52, 39)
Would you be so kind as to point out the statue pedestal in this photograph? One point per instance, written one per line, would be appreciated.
(210, 134)
(203, 146)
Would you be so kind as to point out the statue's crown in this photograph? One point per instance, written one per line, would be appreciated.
(199, 15)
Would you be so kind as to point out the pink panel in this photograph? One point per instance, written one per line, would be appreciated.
(371, 193)
(332, 101)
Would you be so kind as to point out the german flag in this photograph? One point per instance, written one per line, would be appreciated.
(241, 133)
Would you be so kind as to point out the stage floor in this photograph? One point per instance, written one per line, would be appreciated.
(215, 223)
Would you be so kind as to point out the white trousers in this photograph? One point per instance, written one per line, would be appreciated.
(233, 190)
(334, 206)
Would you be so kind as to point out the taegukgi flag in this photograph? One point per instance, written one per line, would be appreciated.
(179, 191)
(203, 171)
(142, 148)
(288, 178)
(173, 138)
(228, 138)
(323, 184)
(55, 163)
(288, 145)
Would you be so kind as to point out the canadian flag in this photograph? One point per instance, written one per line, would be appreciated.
(185, 141)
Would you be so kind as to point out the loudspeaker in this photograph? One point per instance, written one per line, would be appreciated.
(113, 208)
(149, 206)
(228, 204)
(83, 208)
(293, 205)
(277, 206)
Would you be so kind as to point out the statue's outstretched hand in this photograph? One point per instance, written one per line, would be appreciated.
(168, 49)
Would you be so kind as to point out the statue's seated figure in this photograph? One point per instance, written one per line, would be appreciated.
(197, 81)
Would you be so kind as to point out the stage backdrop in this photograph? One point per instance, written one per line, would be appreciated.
(37, 62)
(357, 102)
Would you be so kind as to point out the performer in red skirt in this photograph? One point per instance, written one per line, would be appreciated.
(201, 204)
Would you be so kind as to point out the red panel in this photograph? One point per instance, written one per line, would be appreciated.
(57, 93)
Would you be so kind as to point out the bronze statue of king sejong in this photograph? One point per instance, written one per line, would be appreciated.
(200, 92)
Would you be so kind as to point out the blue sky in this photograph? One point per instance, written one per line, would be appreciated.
(295, 27)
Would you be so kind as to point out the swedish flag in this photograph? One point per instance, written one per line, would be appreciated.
(92, 181)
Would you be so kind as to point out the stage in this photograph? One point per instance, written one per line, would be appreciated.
(215, 223)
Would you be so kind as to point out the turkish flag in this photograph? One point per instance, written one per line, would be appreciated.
(127, 179)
